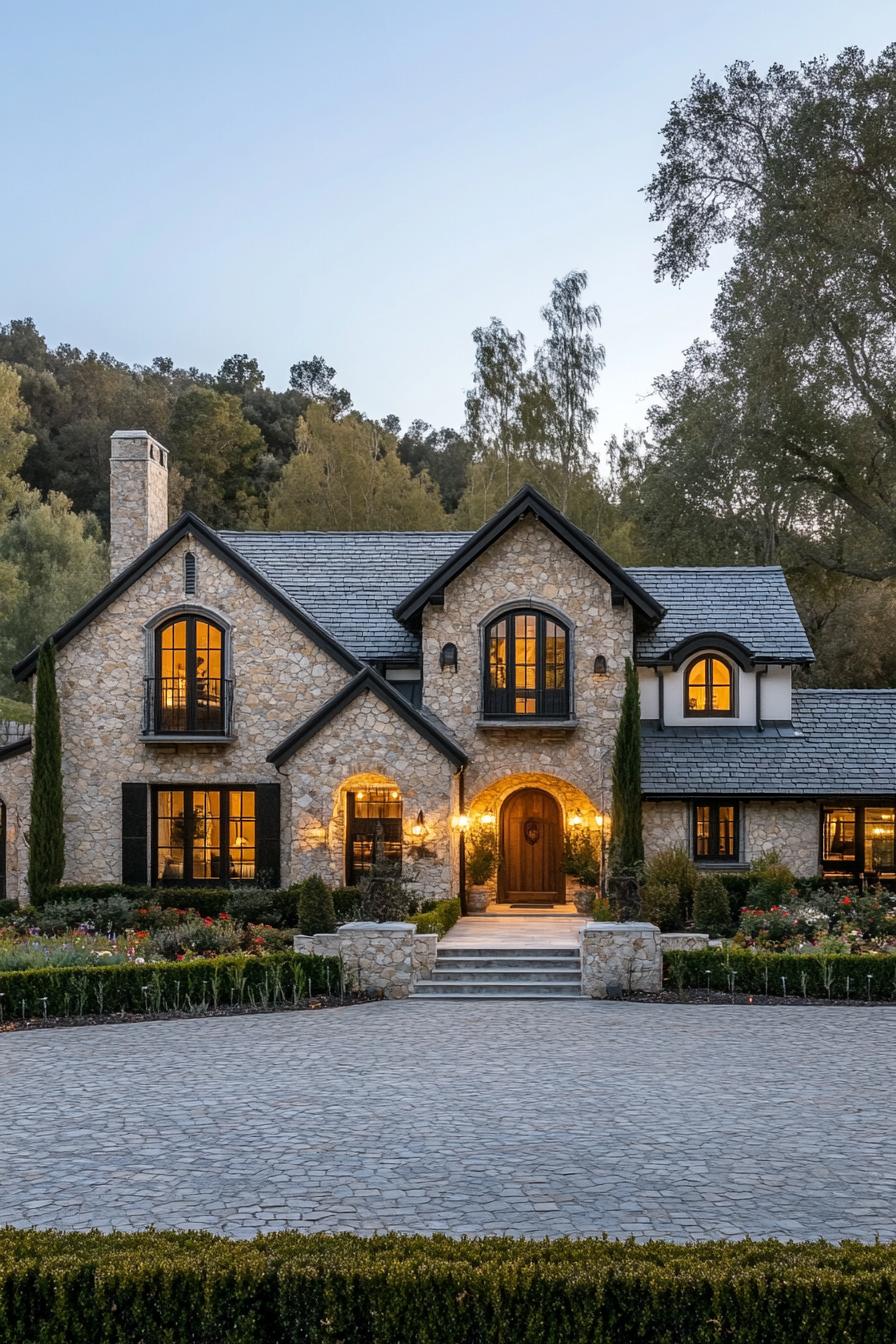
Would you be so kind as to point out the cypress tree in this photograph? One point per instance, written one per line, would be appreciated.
(46, 857)
(627, 845)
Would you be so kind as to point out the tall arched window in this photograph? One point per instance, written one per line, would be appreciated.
(189, 681)
(709, 686)
(526, 667)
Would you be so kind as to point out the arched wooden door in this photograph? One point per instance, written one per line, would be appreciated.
(531, 849)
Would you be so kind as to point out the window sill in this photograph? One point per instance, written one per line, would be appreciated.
(723, 865)
(531, 724)
(187, 739)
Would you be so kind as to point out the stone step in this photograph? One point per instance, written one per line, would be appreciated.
(510, 953)
(505, 996)
(514, 964)
(552, 975)
(498, 988)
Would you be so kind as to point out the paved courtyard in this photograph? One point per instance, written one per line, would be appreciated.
(531, 1118)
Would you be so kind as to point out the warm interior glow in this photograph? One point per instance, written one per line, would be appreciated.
(394, 795)
(488, 818)
(575, 819)
(598, 820)
(461, 822)
(709, 687)
(416, 829)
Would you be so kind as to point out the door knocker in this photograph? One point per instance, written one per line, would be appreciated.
(532, 832)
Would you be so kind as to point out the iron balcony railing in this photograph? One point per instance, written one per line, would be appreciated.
(193, 705)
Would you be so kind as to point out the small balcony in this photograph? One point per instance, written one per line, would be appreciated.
(183, 709)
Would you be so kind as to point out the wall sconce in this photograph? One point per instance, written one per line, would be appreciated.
(394, 795)
(575, 819)
(419, 825)
(359, 795)
(599, 820)
(600, 665)
(448, 658)
(461, 822)
(488, 818)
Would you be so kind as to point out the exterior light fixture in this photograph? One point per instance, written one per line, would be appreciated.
(600, 665)
(419, 826)
(448, 658)
(575, 819)
(488, 818)
(394, 795)
(599, 820)
(461, 822)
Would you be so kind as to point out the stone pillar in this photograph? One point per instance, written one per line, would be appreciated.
(381, 959)
(138, 495)
(620, 959)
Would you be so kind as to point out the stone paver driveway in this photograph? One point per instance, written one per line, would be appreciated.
(532, 1118)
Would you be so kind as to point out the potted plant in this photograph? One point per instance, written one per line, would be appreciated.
(482, 863)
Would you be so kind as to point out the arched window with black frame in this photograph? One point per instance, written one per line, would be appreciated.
(526, 666)
(189, 686)
(709, 687)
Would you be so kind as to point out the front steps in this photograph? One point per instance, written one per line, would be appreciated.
(503, 973)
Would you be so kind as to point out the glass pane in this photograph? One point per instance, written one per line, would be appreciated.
(721, 686)
(726, 832)
(697, 686)
(839, 834)
(241, 838)
(497, 656)
(209, 687)
(554, 656)
(173, 678)
(879, 835)
(701, 831)
(170, 835)
(206, 835)
(524, 653)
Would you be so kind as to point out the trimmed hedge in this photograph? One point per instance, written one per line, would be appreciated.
(194, 1288)
(803, 974)
(164, 986)
(443, 916)
(253, 905)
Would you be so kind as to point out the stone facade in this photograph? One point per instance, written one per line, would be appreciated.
(15, 793)
(620, 959)
(683, 942)
(665, 826)
(138, 495)
(789, 828)
(383, 959)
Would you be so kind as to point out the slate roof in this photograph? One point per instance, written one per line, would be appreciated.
(751, 603)
(841, 742)
(350, 581)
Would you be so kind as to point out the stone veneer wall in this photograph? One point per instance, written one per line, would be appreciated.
(15, 791)
(620, 959)
(529, 565)
(665, 826)
(138, 495)
(790, 828)
(382, 959)
(367, 743)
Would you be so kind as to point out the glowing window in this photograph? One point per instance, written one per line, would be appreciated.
(709, 687)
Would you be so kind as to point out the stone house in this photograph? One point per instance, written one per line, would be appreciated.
(256, 707)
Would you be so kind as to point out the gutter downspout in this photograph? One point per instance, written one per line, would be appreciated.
(760, 673)
(661, 699)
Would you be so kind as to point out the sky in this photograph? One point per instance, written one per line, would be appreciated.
(368, 182)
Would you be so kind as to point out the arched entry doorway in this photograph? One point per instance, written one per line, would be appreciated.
(531, 869)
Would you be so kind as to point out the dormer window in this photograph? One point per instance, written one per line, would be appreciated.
(526, 667)
(188, 693)
(709, 687)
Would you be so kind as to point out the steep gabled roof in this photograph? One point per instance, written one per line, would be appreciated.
(189, 524)
(525, 502)
(425, 723)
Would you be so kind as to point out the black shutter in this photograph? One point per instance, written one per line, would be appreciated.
(267, 834)
(134, 834)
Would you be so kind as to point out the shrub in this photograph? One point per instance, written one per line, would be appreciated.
(46, 841)
(253, 902)
(9, 908)
(840, 977)
(315, 906)
(262, 905)
(195, 1288)
(200, 934)
(265, 938)
(674, 867)
(661, 904)
(737, 886)
(602, 911)
(114, 914)
(580, 858)
(769, 881)
(481, 850)
(347, 904)
(442, 916)
(712, 911)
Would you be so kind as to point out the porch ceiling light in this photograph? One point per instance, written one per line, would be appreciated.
(575, 819)
(488, 818)
(461, 821)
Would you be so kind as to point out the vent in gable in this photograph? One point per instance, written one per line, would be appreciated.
(189, 574)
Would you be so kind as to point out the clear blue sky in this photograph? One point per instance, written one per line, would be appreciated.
(363, 181)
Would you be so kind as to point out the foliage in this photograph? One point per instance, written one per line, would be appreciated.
(676, 868)
(661, 905)
(82, 949)
(199, 934)
(261, 905)
(481, 851)
(347, 904)
(109, 914)
(712, 909)
(768, 880)
(216, 450)
(602, 911)
(580, 857)
(315, 906)
(391, 1289)
(443, 916)
(823, 976)
(196, 985)
(257, 905)
(627, 844)
(46, 838)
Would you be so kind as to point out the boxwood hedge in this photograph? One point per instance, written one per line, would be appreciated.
(442, 917)
(170, 1288)
(793, 974)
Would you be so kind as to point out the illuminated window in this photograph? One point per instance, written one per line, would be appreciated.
(204, 835)
(879, 838)
(838, 835)
(189, 686)
(709, 687)
(715, 832)
(526, 667)
(373, 832)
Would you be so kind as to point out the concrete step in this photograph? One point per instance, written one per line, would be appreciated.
(515, 964)
(509, 953)
(497, 988)
(509, 996)
(490, 975)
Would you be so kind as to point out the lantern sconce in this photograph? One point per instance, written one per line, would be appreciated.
(575, 819)
(419, 825)
(600, 665)
(448, 658)
(461, 822)
(487, 819)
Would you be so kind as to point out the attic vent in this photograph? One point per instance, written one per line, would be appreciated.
(189, 574)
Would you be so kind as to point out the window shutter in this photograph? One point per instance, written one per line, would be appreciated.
(134, 834)
(267, 833)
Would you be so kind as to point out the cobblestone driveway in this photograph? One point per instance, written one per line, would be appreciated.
(529, 1118)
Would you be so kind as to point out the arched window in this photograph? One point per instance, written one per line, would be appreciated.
(189, 692)
(709, 686)
(526, 667)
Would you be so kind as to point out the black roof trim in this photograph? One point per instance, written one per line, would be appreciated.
(528, 500)
(711, 641)
(189, 523)
(368, 680)
(17, 748)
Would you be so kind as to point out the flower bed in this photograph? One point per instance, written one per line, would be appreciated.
(831, 920)
(785, 974)
(192, 1286)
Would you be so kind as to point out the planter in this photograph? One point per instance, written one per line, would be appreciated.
(583, 898)
(477, 900)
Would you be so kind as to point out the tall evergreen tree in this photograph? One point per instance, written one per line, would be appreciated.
(627, 846)
(46, 858)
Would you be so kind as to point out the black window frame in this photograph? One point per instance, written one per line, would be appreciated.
(714, 856)
(551, 703)
(200, 720)
(708, 657)
(854, 869)
(223, 879)
(367, 828)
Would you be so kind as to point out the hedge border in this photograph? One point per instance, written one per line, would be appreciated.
(783, 974)
(442, 917)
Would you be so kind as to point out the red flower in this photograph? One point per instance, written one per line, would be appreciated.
(223, 915)
(846, 901)
(207, 919)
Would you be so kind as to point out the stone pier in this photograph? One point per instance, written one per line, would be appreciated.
(383, 959)
(620, 959)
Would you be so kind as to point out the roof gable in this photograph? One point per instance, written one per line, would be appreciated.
(426, 725)
(189, 525)
(528, 502)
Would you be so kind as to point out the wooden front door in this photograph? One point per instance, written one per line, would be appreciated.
(531, 849)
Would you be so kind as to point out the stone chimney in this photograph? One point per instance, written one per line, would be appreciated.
(138, 495)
